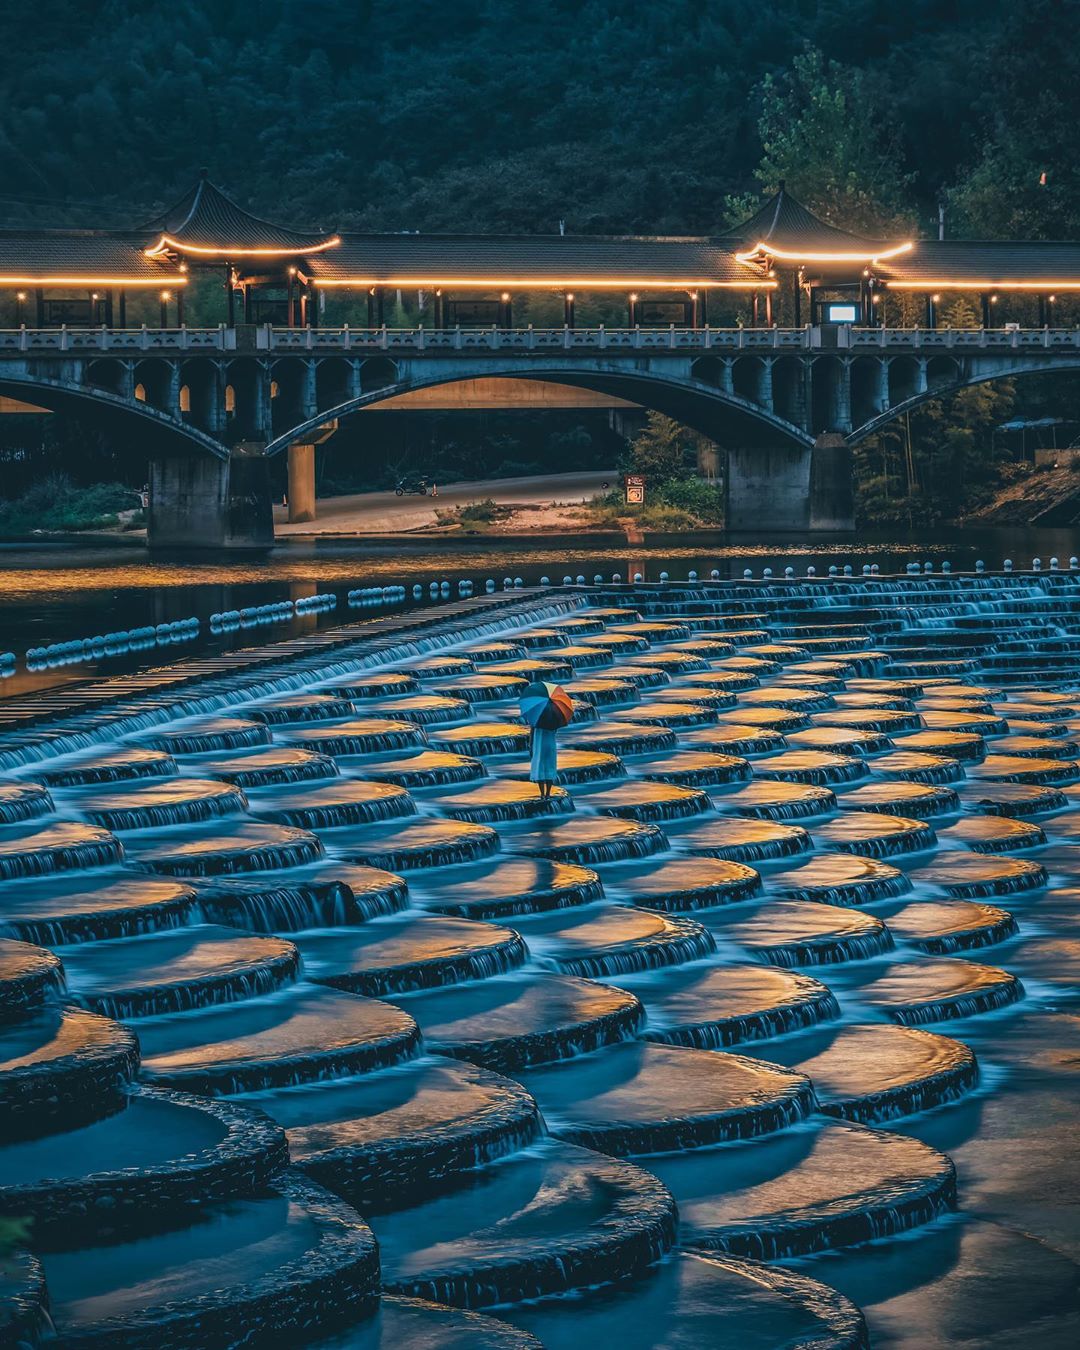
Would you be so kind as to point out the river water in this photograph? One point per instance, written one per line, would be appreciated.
(56, 594)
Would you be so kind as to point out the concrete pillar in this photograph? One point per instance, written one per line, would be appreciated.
(309, 401)
(768, 488)
(200, 501)
(172, 403)
(727, 377)
(920, 378)
(882, 396)
(832, 494)
(765, 385)
(301, 483)
(842, 399)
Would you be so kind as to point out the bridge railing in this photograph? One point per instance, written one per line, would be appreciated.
(166, 341)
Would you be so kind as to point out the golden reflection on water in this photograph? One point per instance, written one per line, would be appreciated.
(80, 573)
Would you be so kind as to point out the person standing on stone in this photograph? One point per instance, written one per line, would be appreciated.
(544, 764)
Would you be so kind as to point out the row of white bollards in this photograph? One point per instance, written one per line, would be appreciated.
(108, 644)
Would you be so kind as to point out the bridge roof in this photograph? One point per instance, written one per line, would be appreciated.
(206, 224)
(541, 260)
(786, 231)
(81, 258)
(984, 265)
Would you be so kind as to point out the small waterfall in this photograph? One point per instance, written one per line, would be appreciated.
(23, 801)
(58, 848)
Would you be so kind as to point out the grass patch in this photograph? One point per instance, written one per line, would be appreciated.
(57, 505)
(475, 517)
(681, 504)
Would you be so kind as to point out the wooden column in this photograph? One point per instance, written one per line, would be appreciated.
(123, 308)
(39, 308)
(230, 297)
(755, 310)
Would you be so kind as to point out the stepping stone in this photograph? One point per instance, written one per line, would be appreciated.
(695, 695)
(914, 767)
(77, 908)
(483, 738)
(799, 679)
(899, 688)
(770, 717)
(924, 991)
(890, 721)
(916, 800)
(798, 1193)
(429, 768)
(265, 1262)
(645, 1098)
(616, 642)
(23, 801)
(429, 668)
(109, 766)
(867, 700)
(483, 653)
(876, 1073)
(734, 681)
(312, 706)
(969, 875)
(323, 895)
(1043, 708)
(682, 884)
(840, 740)
(1011, 799)
(766, 800)
(543, 639)
(508, 887)
(346, 801)
(369, 735)
(554, 1219)
(487, 688)
(658, 631)
(602, 692)
(798, 933)
(538, 668)
(573, 766)
(579, 624)
(243, 848)
(164, 1154)
(406, 952)
(423, 842)
(30, 977)
(664, 714)
(300, 1035)
(994, 834)
(674, 662)
(648, 801)
(597, 941)
(503, 799)
(875, 835)
(586, 658)
(733, 739)
(742, 840)
(387, 1139)
(588, 840)
(641, 677)
(202, 735)
(1020, 769)
(978, 723)
(777, 696)
(695, 768)
(948, 926)
(176, 970)
(713, 1006)
(811, 766)
(386, 682)
(61, 1067)
(424, 709)
(690, 1296)
(64, 846)
(840, 879)
(961, 745)
(276, 764)
(169, 801)
(513, 1021)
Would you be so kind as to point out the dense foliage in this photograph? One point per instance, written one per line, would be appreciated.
(610, 115)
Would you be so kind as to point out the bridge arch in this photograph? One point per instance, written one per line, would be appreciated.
(158, 428)
(722, 416)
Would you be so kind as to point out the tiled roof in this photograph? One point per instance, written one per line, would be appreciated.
(991, 263)
(547, 260)
(787, 226)
(205, 220)
(35, 258)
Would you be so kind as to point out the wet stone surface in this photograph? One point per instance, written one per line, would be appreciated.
(812, 860)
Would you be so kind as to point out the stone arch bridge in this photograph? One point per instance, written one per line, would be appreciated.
(215, 405)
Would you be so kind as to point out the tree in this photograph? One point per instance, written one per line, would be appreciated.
(661, 450)
(823, 135)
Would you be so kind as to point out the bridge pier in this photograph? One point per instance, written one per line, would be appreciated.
(832, 488)
(301, 483)
(201, 501)
(768, 489)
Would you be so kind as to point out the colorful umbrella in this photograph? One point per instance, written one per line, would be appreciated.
(546, 705)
